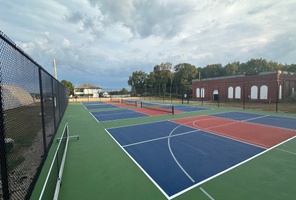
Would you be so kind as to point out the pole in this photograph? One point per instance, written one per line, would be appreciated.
(244, 95)
(55, 69)
(218, 97)
(3, 153)
(277, 97)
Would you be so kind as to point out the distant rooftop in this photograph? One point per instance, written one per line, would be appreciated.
(241, 75)
(88, 86)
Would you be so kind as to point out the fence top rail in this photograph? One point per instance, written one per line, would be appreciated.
(12, 44)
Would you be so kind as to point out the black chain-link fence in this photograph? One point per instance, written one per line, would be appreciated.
(270, 95)
(32, 104)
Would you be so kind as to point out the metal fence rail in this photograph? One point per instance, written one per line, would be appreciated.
(32, 104)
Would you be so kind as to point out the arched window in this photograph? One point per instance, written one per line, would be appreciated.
(197, 92)
(238, 92)
(215, 95)
(230, 93)
(263, 92)
(254, 92)
(202, 93)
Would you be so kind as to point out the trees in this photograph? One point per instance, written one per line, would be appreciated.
(162, 73)
(69, 86)
(184, 74)
(213, 70)
(163, 76)
(231, 69)
(137, 80)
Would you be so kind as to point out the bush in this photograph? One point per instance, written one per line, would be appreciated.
(291, 98)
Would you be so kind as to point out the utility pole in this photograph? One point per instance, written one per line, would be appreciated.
(55, 69)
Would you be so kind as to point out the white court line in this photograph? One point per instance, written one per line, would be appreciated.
(151, 179)
(235, 166)
(180, 166)
(160, 138)
(249, 121)
(205, 192)
(94, 117)
(286, 151)
(114, 113)
(140, 124)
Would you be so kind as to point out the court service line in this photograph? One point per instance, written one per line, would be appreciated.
(207, 130)
(235, 122)
(94, 117)
(286, 151)
(205, 192)
(127, 112)
(180, 166)
(160, 138)
(151, 179)
(230, 168)
(249, 121)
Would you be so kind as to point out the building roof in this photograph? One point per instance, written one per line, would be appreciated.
(88, 86)
(235, 76)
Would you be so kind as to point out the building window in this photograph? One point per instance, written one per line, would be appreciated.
(254, 92)
(263, 92)
(230, 93)
(202, 93)
(280, 92)
(197, 93)
(238, 92)
(215, 95)
(293, 90)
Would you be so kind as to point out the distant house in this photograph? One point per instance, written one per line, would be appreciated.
(87, 90)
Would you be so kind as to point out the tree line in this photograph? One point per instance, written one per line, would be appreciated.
(164, 77)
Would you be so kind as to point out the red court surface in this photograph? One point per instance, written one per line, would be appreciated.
(261, 135)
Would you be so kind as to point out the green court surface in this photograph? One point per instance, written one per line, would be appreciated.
(97, 168)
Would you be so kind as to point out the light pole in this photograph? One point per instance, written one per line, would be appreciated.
(171, 76)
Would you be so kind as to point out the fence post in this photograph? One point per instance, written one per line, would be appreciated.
(3, 158)
(244, 95)
(54, 100)
(42, 111)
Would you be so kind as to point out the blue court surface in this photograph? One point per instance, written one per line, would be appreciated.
(93, 102)
(282, 122)
(176, 157)
(100, 106)
(189, 108)
(116, 114)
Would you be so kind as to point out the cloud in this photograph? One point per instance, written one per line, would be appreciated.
(146, 18)
(103, 41)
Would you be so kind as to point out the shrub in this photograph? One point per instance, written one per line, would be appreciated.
(291, 98)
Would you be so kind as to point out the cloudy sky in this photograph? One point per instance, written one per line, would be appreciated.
(103, 41)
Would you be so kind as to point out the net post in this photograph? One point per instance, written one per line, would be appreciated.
(173, 110)
(136, 104)
(141, 104)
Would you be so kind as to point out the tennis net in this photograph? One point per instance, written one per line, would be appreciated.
(53, 180)
(169, 108)
(115, 100)
(130, 102)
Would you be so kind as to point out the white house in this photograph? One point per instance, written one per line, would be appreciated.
(87, 90)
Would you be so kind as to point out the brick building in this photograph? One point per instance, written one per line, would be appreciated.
(264, 87)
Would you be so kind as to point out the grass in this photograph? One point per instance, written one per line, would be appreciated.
(23, 124)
